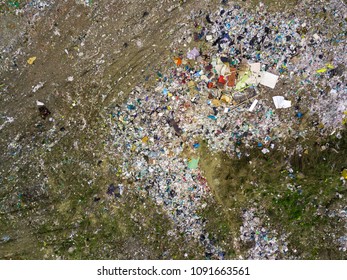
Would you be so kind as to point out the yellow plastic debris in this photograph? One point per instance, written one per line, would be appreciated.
(119, 172)
(192, 87)
(344, 173)
(216, 102)
(326, 68)
(145, 139)
(226, 99)
(31, 60)
(322, 70)
(191, 84)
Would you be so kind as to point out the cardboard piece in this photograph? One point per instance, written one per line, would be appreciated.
(255, 67)
(232, 77)
(268, 79)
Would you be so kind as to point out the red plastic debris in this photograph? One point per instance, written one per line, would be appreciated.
(221, 80)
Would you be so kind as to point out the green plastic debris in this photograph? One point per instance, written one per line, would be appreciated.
(241, 84)
(13, 4)
(269, 114)
(193, 163)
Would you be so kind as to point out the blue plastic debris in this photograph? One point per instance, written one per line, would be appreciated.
(5, 238)
(165, 91)
(196, 145)
(111, 189)
(212, 117)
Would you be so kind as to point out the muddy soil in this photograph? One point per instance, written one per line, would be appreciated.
(54, 171)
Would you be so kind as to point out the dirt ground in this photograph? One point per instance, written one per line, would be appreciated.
(54, 171)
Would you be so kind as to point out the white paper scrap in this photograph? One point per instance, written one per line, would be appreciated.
(281, 103)
(38, 86)
(255, 102)
(269, 80)
(316, 37)
(221, 68)
(254, 79)
(255, 67)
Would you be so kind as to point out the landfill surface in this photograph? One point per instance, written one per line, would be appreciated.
(173, 129)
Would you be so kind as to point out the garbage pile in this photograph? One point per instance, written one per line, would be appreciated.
(22, 7)
(145, 138)
(264, 243)
(299, 50)
(342, 215)
(228, 90)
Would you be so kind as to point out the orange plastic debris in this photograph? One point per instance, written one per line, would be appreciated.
(178, 61)
(232, 77)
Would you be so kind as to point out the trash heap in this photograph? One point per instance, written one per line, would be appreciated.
(224, 90)
(266, 245)
(21, 7)
(146, 141)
